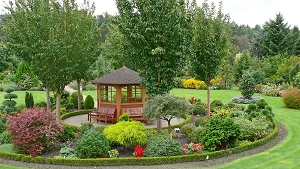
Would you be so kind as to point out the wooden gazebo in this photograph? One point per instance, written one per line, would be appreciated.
(120, 90)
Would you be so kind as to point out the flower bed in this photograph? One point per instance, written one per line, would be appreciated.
(242, 100)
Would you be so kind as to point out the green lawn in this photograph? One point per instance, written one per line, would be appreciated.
(284, 155)
(37, 96)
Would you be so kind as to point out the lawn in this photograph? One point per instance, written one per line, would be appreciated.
(37, 96)
(284, 155)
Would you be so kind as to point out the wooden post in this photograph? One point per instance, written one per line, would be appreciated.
(143, 96)
(98, 95)
(118, 100)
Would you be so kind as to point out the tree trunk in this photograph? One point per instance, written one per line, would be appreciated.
(170, 129)
(158, 121)
(208, 99)
(78, 90)
(58, 98)
(48, 98)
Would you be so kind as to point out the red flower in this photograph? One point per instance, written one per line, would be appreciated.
(138, 151)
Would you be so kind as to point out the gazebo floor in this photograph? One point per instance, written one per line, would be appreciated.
(77, 120)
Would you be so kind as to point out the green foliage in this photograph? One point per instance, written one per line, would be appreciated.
(252, 129)
(247, 85)
(89, 102)
(126, 133)
(261, 103)
(156, 33)
(40, 104)
(66, 151)
(67, 134)
(113, 153)
(85, 127)
(91, 145)
(286, 66)
(9, 105)
(74, 99)
(200, 110)
(125, 117)
(252, 107)
(297, 80)
(216, 103)
(222, 112)
(29, 100)
(276, 33)
(192, 133)
(166, 107)
(162, 146)
(220, 134)
(5, 137)
(201, 121)
(242, 63)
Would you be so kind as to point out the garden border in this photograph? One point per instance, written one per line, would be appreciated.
(138, 161)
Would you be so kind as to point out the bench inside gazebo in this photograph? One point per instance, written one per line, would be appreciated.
(119, 92)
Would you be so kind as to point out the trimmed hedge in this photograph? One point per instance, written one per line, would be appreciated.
(74, 113)
(140, 161)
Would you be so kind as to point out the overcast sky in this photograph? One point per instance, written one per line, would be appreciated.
(248, 12)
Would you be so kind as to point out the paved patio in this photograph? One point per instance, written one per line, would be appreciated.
(77, 120)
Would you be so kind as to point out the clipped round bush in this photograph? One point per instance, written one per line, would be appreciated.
(35, 131)
(291, 98)
(236, 113)
(162, 146)
(126, 133)
(252, 107)
(200, 110)
(220, 134)
(91, 145)
(89, 102)
(86, 127)
(125, 117)
(261, 104)
(216, 103)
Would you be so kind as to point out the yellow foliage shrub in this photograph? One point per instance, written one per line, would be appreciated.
(192, 83)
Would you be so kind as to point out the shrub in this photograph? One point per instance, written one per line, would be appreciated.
(5, 138)
(35, 131)
(201, 121)
(192, 148)
(86, 127)
(90, 87)
(67, 134)
(100, 129)
(74, 98)
(252, 107)
(66, 151)
(216, 103)
(8, 104)
(41, 104)
(220, 134)
(162, 146)
(89, 102)
(252, 129)
(29, 100)
(200, 110)
(247, 85)
(126, 133)
(261, 104)
(125, 117)
(291, 98)
(92, 144)
(236, 113)
(113, 153)
(222, 112)
(192, 83)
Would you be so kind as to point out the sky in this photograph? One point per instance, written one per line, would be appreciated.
(247, 12)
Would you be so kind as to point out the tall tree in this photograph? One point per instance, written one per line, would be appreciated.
(156, 41)
(276, 38)
(40, 33)
(210, 43)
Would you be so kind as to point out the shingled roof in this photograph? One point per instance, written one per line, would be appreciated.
(122, 76)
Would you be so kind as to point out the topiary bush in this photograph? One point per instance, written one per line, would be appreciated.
(252, 107)
(291, 98)
(216, 103)
(89, 102)
(220, 134)
(247, 85)
(91, 145)
(8, 105)
(261, 104)
(126, 133)
(162, 146)
(35, 131)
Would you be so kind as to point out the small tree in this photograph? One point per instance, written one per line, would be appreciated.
(8, 105)
(247, 85)
(89, 102)
(166, 107)
(29, 100)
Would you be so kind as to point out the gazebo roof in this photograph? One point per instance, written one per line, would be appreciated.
(122, 76)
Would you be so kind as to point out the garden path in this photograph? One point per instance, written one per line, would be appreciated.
(71, 90)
